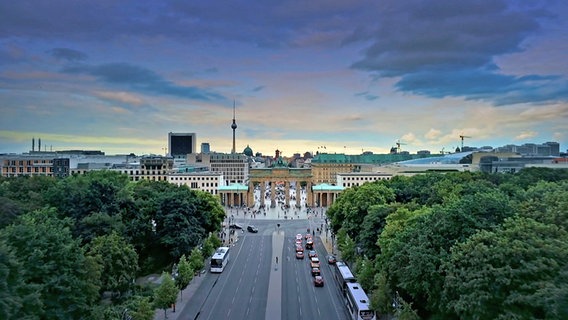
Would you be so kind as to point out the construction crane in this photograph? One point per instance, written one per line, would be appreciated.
(463, 137)
(398, 144)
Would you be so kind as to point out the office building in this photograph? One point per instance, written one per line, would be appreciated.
(181, 144)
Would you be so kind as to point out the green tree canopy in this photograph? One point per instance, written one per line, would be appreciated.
(53, 263)
(166, 294)
(413, 258)
(177, 222)
(119, 262)
(185, 273)
(196, 260)
(519, 271)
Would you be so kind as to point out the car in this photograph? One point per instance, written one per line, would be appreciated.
(235, 226)
(299, 248)
(314, 262)
(316, 272)
(318, 281)
(299, 255)
(252, 229)
(309, 244)
(308, 236)
(299, 237)
(331, 259)
(312, 254)
(299, 241)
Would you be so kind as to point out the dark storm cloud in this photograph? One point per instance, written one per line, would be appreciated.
(447, 48)
(367, 96)
(485, 85)
(67, 54)
(263, 23)
(257, 89)
(141, 79)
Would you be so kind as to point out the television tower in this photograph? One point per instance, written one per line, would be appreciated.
(234, 127)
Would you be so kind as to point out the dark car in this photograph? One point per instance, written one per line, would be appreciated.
(312, 254)
(316, 272)
(309, 244)
(331, 259)
(318, 281)
(235, 226)
(252, 229)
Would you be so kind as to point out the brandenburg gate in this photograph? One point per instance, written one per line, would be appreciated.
(279, 174)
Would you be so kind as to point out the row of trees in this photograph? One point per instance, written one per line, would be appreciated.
(460, 245)
(69, 247)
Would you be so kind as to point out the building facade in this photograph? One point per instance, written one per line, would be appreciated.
(181, 144)
(27, 165)
(353, 179)
(205, 181)
(233, 166)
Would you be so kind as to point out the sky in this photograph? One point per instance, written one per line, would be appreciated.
(341, 76)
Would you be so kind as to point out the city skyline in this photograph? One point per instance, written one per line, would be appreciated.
(347, 76)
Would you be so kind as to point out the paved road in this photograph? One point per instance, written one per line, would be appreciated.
(253, 287)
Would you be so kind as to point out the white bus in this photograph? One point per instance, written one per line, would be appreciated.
(220, 259)
(343, 276)
(358, 303)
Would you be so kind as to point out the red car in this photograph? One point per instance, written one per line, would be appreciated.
(299, 255)
(318, 281)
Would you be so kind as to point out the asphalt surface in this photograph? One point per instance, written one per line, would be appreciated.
(254, 286)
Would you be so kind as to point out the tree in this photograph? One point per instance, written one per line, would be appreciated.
(210, 244)
(346, 246)
(53, 263)
(141, 309)
(177, 220)
(166, 294)
(99, 224)
(210, 209)
(97, 191)
(22, 194)
(366, 273)
(351, 207)
(119, 262)
(546, 202)
(18, 299)
(372, 226)
(196, 260)
(185, 274)
(518, 271)
(412, 257)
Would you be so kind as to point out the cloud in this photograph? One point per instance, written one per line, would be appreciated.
(367, 96)
(141, 79)
(122, 97)
(67, 54)
(443, 48)
(263, 23)
(526, 135)
(433, 134)
(259, 88)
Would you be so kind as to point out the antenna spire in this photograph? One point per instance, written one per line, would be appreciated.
(234, 127)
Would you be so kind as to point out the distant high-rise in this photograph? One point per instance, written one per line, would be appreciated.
(205, 148)
(181, 144)
(234, 127)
